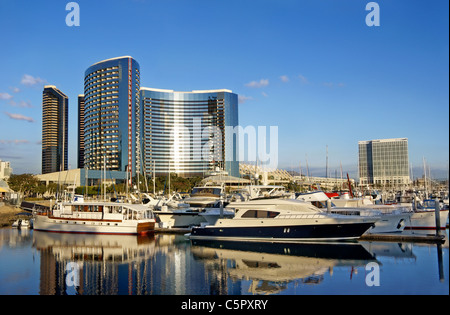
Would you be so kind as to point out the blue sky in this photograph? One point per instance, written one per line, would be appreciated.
(312, 68)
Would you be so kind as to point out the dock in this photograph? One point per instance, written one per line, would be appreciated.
(172, 230)
(428, 238)
(31, 206)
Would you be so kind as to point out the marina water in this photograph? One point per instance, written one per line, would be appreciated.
(33, 263)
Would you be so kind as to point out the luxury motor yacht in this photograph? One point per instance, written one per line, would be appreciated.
(392, 219)
(96, 217)
(283, 220)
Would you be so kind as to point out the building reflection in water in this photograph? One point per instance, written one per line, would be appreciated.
(101, 258)
(164, 264)
(110, 265)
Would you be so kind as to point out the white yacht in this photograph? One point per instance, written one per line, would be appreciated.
(250, 192)
(424, 216)
(253, 192)
(283, 220)
(392, 219)
(94, 217)
(194, 210)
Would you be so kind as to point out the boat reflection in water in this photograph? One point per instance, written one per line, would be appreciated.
(119, 265)
(271, 267)
(99, 258)
(168, 264)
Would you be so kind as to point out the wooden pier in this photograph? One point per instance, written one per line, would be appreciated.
(172, 230)
(428, 238)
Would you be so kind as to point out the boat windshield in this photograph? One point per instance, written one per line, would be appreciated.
(260, 214)
(429, 203)
(205, 191)
(137, 214)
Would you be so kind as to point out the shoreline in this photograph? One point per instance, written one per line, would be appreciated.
(8, 215)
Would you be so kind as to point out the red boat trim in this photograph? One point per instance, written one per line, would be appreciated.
(423, 228)
(99, 233)
(82, 219)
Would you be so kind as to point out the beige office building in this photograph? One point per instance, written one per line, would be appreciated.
(384, 162)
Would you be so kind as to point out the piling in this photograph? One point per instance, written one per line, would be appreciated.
(328, 205)
(437, 214)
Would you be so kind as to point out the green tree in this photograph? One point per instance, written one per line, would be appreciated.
(25, 184)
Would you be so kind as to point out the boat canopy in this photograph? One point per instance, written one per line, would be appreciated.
(275, 204)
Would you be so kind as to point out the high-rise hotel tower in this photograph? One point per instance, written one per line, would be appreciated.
(111, 125)
(384, 162)
(55, 106)
(185, 132)
(146, 130)
(80, 131)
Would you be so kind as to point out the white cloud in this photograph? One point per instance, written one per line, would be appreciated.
(332, 84)
(5, 96)
(303, 79)
(15, 89)
(19, 117)
(242, 98)
(26, 104)
(15, 141)
(29, 80)
(264, 94)
(284, 78)
(258, 84)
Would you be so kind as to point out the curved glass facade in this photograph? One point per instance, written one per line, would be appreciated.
(111, 114)
(184, 132)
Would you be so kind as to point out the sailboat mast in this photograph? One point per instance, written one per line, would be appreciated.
(425, 178)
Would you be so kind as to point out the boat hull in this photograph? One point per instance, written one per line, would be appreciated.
(283, 233)
(390, 223)
(212, 215)
(426, 220)
(173, 219)
(113, 227)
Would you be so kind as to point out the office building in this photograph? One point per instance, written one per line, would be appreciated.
(184, 132)
(55, 105)
(384, 162)
(5, 170)
(80, 131)
(82, 177)
(111, 126)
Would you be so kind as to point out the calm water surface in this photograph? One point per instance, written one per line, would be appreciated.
(33, 262)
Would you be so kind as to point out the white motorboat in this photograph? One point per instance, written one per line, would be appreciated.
(283, 220)
(194, 210)
(211, 215)
(22, 224)
(16, 224)
(250, 192)
(392, 219)
(424, 216)
(26, 224)
(93, 217)
(253, 192)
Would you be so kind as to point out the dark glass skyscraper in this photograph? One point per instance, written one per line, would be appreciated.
(55, 106)
(184, 132)
(111, 125)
